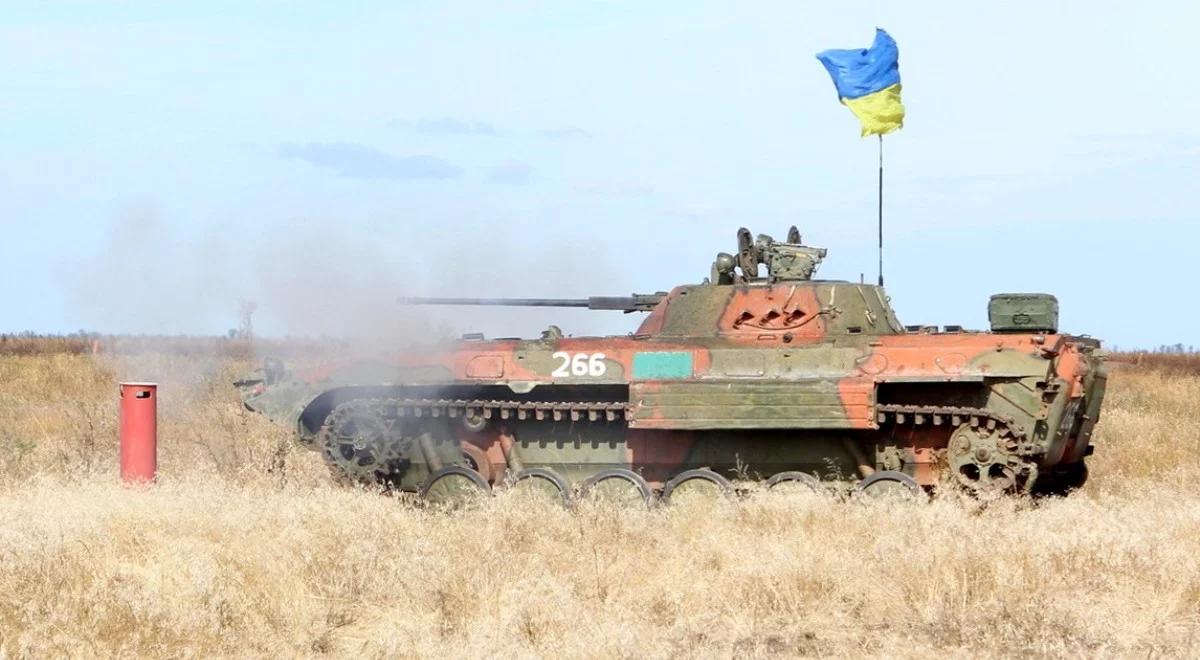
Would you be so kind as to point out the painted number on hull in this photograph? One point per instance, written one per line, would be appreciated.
(579, 364)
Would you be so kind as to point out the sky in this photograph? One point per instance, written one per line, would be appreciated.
(161, 163)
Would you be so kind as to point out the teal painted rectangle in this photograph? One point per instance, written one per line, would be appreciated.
(662, 364)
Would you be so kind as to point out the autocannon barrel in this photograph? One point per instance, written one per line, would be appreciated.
(634, 303)
(498, 302)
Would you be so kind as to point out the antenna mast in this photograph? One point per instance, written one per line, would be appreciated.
(881, 209)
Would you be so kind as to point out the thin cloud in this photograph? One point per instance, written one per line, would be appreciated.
(362, 162)
(695, 211)
(472, 128)
(1138, 146)
(615, 188)
(448, 126)
(511, 173)
(568, 133)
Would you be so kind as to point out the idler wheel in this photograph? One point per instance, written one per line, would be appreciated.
(889, 484)
(618, 486)
(361, 446)
(454, 486)
(794, 482)
(696, 485)
(542, 484)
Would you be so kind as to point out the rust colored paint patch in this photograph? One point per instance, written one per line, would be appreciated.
(485, 366)
(658, 454)
(1070, 367)
(951, 363)
(872, 364)
(858, 402)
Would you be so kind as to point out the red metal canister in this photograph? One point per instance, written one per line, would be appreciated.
(139, 432)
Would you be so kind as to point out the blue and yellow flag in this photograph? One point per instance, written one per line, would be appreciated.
(868, 82)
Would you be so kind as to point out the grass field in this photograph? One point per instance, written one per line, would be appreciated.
(245, 548)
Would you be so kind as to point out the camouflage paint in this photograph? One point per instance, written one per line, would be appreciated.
(768, 374)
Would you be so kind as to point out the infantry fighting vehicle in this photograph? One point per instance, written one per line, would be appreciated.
(759, 372)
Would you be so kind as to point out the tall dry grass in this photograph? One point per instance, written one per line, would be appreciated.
(1174, 363)
(245, 550)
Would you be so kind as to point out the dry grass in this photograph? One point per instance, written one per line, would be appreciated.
(244, 549)
(1179, 362)
(206, 347)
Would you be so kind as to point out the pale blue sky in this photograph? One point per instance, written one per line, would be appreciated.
(322, 160)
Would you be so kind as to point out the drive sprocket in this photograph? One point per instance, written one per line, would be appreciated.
(984, 458)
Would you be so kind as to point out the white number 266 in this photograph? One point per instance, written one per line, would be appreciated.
(579, 364)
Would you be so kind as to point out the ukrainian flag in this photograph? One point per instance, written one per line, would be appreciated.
(868, 82)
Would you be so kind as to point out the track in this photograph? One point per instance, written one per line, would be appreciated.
(365, 439)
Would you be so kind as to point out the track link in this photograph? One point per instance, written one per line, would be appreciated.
(493, 408)
(955, 416)
(899, 414)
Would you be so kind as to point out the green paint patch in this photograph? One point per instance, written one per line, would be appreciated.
(662, 364)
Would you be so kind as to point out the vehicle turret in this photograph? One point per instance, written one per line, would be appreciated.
(765, 290)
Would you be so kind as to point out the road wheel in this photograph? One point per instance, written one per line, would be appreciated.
(696, 485)
(794, 482)
(618, 486)
(542, 484)
(889, 484)
(454, 486)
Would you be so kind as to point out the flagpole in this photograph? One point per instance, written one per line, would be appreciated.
(880, 209)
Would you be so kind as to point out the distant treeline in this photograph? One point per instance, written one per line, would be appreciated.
(1176, 358)
(1170, 361)
(29, 343)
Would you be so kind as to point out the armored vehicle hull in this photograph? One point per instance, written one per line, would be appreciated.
(780, 378)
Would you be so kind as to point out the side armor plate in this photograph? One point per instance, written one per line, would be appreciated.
(813, 404)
